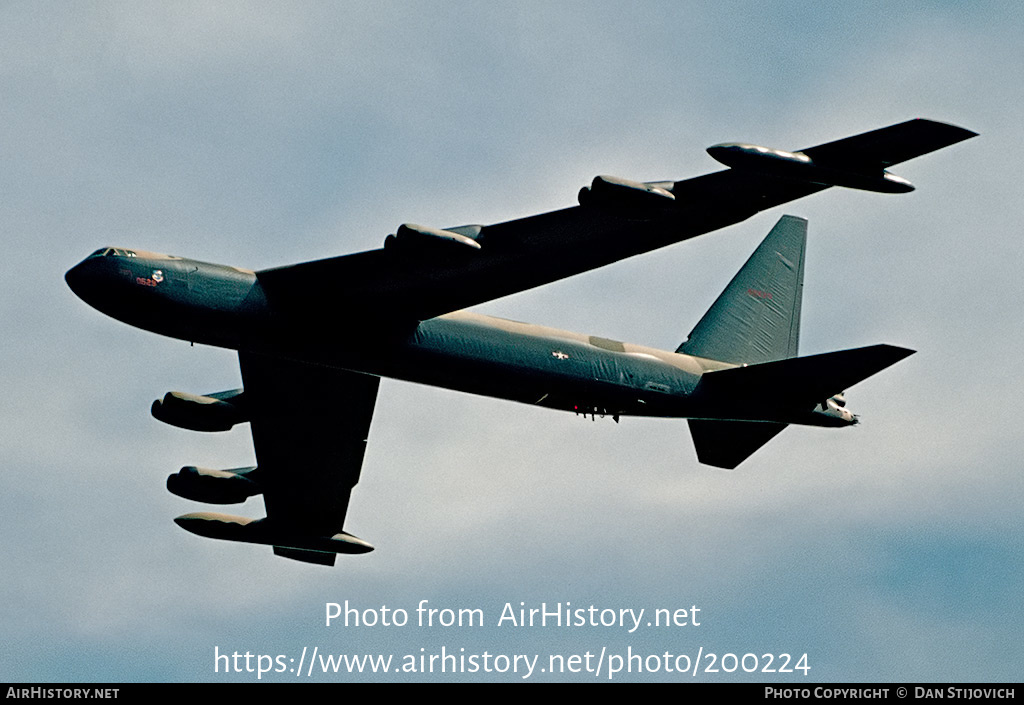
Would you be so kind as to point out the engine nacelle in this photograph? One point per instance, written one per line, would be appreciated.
(200, 413)
(460, 239)
(799, 166)
(621, 194)
(214, 486)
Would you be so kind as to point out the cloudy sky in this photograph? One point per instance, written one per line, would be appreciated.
(260, 134)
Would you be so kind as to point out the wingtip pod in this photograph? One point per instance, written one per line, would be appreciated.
(234, 528)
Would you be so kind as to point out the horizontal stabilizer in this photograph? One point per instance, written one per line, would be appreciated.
(726, 444)
(800, 379)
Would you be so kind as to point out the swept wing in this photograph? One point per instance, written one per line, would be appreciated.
(425, 272)
(309, 428)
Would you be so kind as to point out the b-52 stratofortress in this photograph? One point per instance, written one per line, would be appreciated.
(314, 339)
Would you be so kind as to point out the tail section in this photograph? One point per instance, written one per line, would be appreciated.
(768, 397)
(757, 318)
(755, 323)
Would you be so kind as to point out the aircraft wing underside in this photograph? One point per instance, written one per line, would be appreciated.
(309, 428)
(425, 272)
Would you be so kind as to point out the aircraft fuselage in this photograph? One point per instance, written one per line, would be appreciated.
(227, 307)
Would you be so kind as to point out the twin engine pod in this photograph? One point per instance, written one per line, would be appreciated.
(415, 238)
(650, 199)
(215, 486)
(220, 412)
(196, 412)
(209, 413)
(627, 197)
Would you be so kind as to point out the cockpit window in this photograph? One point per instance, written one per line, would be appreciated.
(106, 251)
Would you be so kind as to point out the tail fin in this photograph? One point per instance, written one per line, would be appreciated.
(757, 318)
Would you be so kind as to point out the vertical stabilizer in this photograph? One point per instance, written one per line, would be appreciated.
(757, 318)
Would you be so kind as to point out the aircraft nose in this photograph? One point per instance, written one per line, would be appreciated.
(78, 277)
(88, 279)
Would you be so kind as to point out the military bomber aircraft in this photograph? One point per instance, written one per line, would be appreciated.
(338, 325)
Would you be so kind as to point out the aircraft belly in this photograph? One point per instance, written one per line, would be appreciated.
(542, 367)
(560, 372)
